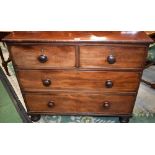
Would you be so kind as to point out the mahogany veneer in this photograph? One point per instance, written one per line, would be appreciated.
(79, 80)
(79, 73)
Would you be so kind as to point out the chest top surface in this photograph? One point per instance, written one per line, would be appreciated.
(79, 36)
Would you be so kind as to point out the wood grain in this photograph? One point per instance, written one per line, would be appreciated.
(58, 56)
(79, 80)
(79, 36)
(79, 103)
(126, 57)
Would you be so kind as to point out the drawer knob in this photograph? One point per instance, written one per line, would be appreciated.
(111, 59)
(46, 82)
(109, 84)
(106, 105)
(51, 104)
(42, 58)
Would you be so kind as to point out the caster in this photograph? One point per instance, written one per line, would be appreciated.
(35, 118)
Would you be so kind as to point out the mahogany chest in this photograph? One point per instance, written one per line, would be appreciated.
(79, 73)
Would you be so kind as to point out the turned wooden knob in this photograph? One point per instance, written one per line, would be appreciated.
(106, 105)
(111, 59)
(51, 104)
(42, 58)
(109, 84)
(46, 82)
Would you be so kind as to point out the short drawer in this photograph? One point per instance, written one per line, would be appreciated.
(72, 103)
(43, 56)
(108, 81)
(112, 56)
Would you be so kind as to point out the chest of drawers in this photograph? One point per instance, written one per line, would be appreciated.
(79, 73)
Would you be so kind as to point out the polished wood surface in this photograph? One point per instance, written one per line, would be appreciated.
(126, 56)
(79, 36)
(79, 73)
(57, 56)
(3, 34)
(63, 103)
(78, 80)
(86, 57)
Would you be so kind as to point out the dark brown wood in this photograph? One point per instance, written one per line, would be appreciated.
(77, 57)
(111, 59)
(109, 83)
(79, 103)
(79, 73)
(57, 56)
(42, 58)
(122, 56)
(79, 80)
(106, 104)
(51, 104)
(79, 36)
(46, 82)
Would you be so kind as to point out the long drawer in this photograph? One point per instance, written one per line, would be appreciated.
(43, 56)
(70, 103)
(112, 56)
(108, 81)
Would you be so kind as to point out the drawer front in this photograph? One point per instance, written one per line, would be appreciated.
(112, 57)
(43, 56)
(108, 81)
(71, 103)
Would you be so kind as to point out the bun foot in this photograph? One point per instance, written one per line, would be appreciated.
(124, 119)
(35, 118)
